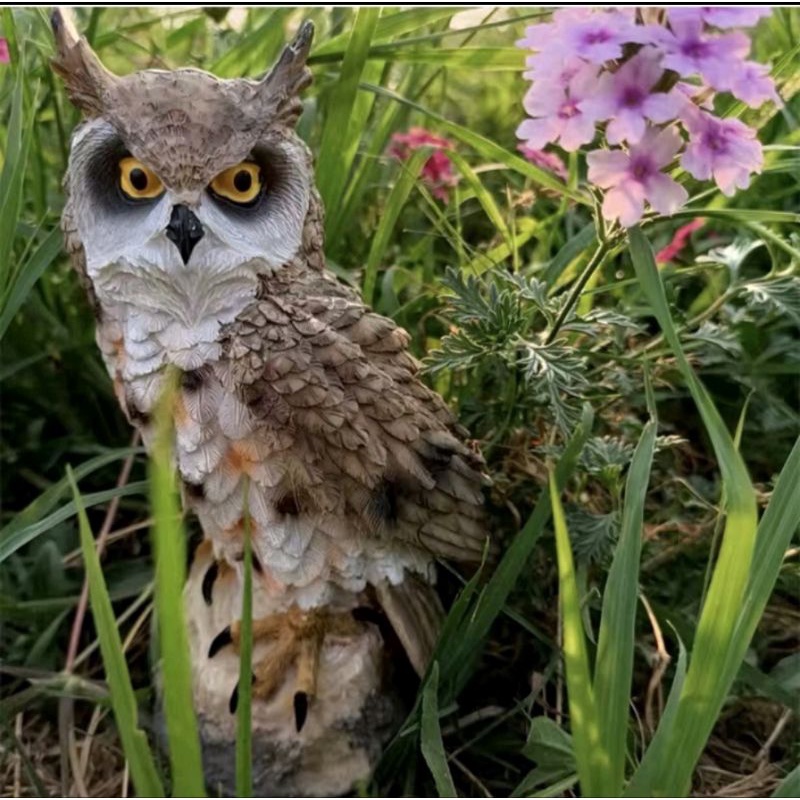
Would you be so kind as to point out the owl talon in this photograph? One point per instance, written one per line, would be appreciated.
(300, 710)
(222, 639)
(233, 703)
(296, 639)
(209, 579)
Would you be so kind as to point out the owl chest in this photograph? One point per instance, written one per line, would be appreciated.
(234, 464)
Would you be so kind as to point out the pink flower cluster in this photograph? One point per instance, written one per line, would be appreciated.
(437, 172)
(5, 56)
(647, 78)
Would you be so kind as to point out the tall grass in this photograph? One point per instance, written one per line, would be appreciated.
(379, 71)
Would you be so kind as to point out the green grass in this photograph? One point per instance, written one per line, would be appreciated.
(604, 390)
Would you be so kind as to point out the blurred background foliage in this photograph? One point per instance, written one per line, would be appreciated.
(478, 280)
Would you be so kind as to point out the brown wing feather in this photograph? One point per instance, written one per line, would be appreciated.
(358, 408)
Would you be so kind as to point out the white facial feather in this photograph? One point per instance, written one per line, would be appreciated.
(171, 312)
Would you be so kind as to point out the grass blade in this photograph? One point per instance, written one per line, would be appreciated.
(333, 167)
(616, 639)
(590, 754)
(410, 171)
(244, 732)
(25, 278)
(390, 27)
(50, 496)
(21, 536)
(658, 750)
(146, 779)
(484, 198)
(704, 692)
(458, 651)
(431, 736)
(169, 540)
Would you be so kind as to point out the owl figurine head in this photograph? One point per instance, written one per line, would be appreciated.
(173, 170)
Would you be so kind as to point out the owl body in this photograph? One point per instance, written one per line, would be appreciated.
(195, 226)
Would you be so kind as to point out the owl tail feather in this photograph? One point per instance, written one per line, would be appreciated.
(416, 614)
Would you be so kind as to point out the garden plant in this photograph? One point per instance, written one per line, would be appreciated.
(587, 220)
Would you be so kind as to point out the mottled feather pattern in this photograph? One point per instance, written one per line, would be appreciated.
(353, 398)
(294, 397)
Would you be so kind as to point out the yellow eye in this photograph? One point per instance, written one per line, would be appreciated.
(137, 181)
(241, 184)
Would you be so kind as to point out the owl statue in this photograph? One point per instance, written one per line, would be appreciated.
(194, 224)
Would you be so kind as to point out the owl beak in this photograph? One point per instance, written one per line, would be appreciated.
(184, 230)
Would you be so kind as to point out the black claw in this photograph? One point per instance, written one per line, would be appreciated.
(233, 703)
(208, 582)
(300, 710)
(222, 639)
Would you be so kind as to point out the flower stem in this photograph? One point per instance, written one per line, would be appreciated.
(598, 257)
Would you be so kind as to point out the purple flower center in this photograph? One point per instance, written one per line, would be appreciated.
(641, 168)
(716, 141)
(695, 48)
(568, 109)
(597, 36)
(632, 97)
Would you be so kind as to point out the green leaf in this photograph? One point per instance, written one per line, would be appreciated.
(658, 751)
(390, 27)
(25, 278)
(484, 198)
(169, 540)
(431, 736)
(333, 165)
(486, 59)
(50, 496)
(790, 785)
(571, 249)
(591, 755)
(244, 727)
(704, 691)
(12, 181)
(459, 648)
(134, 742)
(21, 536)
(616, 640)
(410, 171)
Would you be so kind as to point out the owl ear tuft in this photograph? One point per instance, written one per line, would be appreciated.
(281, 86)
(87, 80)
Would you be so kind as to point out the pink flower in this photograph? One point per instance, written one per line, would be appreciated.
(625, 97)
(437, 171)
(558, 113)
(5, 56)
(549, 161)
(721, 16)
(751, 83)
(689, 51)
(724, 148)
(594, 37)
(635, 177)
(679, 241)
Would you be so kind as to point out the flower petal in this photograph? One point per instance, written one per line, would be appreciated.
(628, 125)
(539, 132)
(664, 194)
(624, 202)
(663, 106)
(607, 167)
(664, 145)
